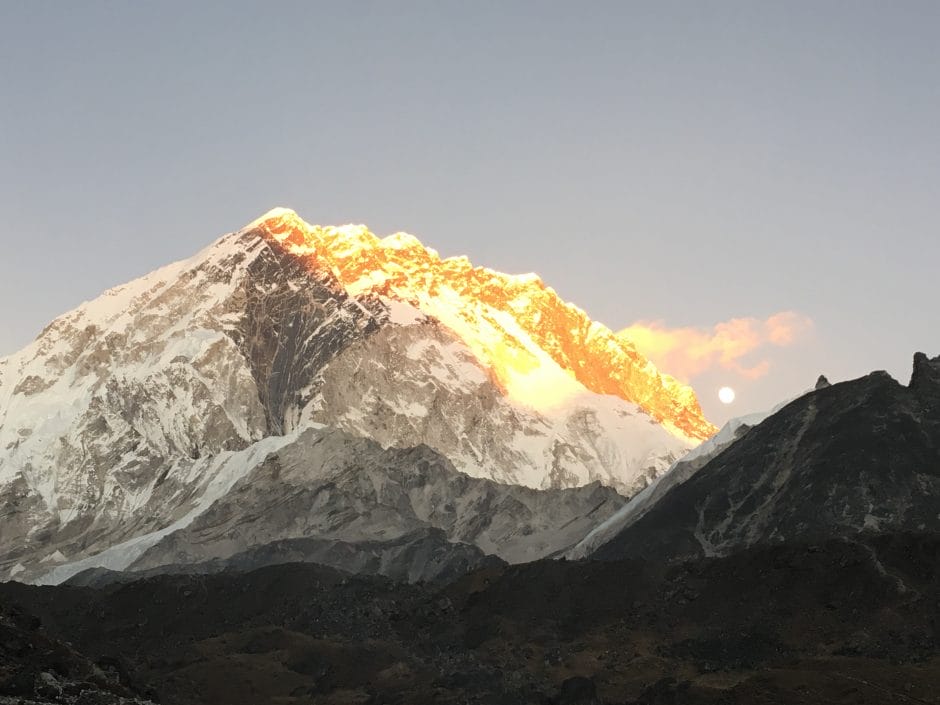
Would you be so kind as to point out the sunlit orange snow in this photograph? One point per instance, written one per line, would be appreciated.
(542, 350)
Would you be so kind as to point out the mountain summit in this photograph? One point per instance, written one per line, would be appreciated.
(542, 350)
(129, 419)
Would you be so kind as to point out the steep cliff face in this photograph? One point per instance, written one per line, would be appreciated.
(143, 407)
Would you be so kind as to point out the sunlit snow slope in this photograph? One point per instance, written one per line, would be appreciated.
(543, 350)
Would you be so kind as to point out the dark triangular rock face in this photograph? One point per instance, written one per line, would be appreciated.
(857, 457)
(925, 379)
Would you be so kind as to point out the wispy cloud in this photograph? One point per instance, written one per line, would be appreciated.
(686, 352)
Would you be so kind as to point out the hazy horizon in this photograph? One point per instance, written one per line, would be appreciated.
(751, 188)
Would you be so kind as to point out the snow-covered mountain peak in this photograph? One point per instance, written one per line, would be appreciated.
(122, 414)
(543, 350)
(275, 214)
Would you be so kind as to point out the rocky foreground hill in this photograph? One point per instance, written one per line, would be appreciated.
(825, 623)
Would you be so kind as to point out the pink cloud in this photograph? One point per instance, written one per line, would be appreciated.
(686, 352)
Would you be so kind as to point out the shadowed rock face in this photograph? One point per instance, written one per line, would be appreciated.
(295, 317)
(857, 457)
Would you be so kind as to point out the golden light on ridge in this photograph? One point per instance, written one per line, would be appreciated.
(540, 349)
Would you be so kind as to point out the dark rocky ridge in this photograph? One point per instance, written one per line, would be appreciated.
(844, 460)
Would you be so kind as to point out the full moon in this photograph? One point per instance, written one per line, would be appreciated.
(726, 395)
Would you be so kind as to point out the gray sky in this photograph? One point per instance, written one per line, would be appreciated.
(687, 163)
